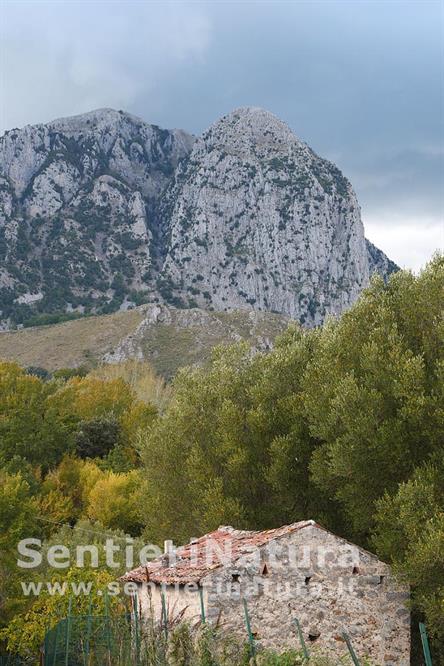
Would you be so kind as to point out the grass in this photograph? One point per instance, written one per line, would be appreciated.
(175, 339)
(190, 335)
(70, 344)
(146, 384)
(148, 645)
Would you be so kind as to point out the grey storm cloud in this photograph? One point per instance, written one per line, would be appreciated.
(360, 81)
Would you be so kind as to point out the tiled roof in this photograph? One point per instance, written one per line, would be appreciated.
(195, 560)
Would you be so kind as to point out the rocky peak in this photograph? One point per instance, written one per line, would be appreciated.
(102, 211)
(378, 262)
(264, 222)
(94, 143)
(250, 127)
(78, 211)
(93, 121)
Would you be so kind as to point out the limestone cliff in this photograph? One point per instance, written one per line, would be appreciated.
(103, 211)
(78, 211)
(258, 220)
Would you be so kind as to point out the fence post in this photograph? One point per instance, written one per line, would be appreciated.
(45, 645)
(350, 649)
(425, 644)
(202, 605)
(136, 626)
(164, 613)
(250, 635)
(88, 632)
(301, 639)
(108, 631)
(68, 631)
(54, 655)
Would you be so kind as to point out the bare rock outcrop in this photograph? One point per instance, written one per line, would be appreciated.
(103, 211)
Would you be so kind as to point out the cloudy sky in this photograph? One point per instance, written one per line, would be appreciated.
(361, 81)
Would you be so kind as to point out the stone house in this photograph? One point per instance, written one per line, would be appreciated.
(300, 571)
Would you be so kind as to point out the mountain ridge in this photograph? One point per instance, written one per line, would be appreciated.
(169, 338)
(92, 212)
(257, 195)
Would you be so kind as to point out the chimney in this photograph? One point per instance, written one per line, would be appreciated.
(167, 546)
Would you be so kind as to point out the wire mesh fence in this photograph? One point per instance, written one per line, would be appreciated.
(11, 660)
(90, 640)
(127, 639)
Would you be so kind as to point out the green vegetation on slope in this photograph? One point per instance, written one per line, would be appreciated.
(343, 424)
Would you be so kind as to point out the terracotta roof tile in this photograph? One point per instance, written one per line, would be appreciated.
(190, 563)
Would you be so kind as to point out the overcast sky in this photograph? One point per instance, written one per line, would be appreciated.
(360, 81)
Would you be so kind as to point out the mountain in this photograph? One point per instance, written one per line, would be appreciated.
(78, 211)
(378, 262)
(166, 336)
(257, 219)
(102, 211)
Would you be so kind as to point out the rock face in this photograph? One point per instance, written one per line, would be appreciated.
(378, 262)
(78, 210)
(259, 220)
(103, 211)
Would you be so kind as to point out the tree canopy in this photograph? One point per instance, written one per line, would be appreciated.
(343, 424)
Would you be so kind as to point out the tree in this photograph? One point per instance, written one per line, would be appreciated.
(18, 513)
(102, 414)
(409, 533)
(86, 398)
(26, 632)
(200, 447)
(65, 491)
(233, 446)
(91, 533)
(140, 376)
(96, 437)
(284, 430)
(18, 465)
(40, 421)
(28, 426)
(115, 502)
(374, 392)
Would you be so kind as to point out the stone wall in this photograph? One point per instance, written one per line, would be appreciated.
(181, 600)
(329, 585)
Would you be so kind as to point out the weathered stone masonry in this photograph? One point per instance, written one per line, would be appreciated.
(298, 571)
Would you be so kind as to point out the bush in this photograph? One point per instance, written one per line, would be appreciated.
(39, 372)
(97, 437)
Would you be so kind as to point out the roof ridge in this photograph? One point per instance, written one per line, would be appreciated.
(182, 570)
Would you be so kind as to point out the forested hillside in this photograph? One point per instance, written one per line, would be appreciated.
(343, 424)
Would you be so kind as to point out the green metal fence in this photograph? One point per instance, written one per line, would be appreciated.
(87, 640)
(11, 660)
(126, 640)
(105, 640)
